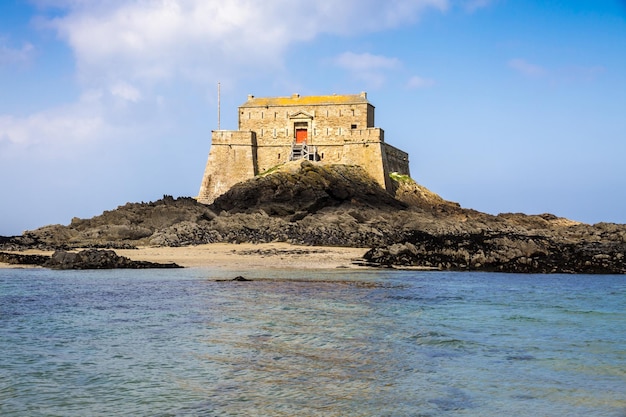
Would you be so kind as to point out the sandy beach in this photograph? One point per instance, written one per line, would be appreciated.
(242, 256)
(249, 256)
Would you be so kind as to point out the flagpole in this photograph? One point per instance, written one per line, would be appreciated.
(218, 106)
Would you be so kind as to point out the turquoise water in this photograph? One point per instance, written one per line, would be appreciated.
(331, 343)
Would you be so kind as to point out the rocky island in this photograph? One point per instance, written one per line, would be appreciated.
(315, 171)
(312, 204)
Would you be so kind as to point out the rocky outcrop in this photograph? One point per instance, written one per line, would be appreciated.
(86, 259)
(302, 188)
(405, 189)
(98, 259)
(338, 205)
(126, 227)
(501, 252)
(22, 259)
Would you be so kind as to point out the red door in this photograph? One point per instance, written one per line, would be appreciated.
(301, 135)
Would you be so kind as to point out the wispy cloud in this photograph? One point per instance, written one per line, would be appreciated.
(579, 73)
(420, 82)
(126, 92)
(13, 56)
(61, 131)
(565, 74)
(366, 62)
(526, 68)
(367, 67)
(473, 5)
(52, 129)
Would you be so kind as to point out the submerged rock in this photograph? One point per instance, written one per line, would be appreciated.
(238, 278)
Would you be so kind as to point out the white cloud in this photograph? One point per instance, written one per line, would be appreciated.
(12, 56)
(49, 132)
(419, 82)
(526, 68)
(365, 62)
(367, 67)
(151, 40)
(126, 92)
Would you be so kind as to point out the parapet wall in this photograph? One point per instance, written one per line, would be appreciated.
(397, 160)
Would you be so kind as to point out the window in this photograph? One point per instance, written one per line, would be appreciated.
(353, 126)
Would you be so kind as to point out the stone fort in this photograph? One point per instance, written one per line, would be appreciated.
(333, 129)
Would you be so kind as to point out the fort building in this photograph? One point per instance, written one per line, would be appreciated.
(333, 129)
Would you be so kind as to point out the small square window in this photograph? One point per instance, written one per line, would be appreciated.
(352, 126)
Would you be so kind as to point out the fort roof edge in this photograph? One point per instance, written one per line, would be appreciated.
(298, 100)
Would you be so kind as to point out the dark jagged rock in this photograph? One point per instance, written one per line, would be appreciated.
(501, 252)
(23, 259)
(238, 278)
(98, 259)
(86, 259)
(126, 227)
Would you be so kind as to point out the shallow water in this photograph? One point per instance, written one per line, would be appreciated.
(327, 343)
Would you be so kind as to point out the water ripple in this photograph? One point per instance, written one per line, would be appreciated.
(339, 343)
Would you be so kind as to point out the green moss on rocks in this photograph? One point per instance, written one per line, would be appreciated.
(271, 170)
(401, 178)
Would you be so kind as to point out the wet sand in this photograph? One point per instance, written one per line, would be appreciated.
(242, 256)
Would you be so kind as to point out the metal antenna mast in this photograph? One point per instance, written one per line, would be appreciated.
(218, 107)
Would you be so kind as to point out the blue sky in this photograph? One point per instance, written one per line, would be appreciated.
(503, 105)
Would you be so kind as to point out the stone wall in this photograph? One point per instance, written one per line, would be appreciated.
(370, 156)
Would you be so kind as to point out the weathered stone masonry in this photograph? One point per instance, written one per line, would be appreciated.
(335, 129)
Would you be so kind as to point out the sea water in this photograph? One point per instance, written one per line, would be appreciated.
(311, 343)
